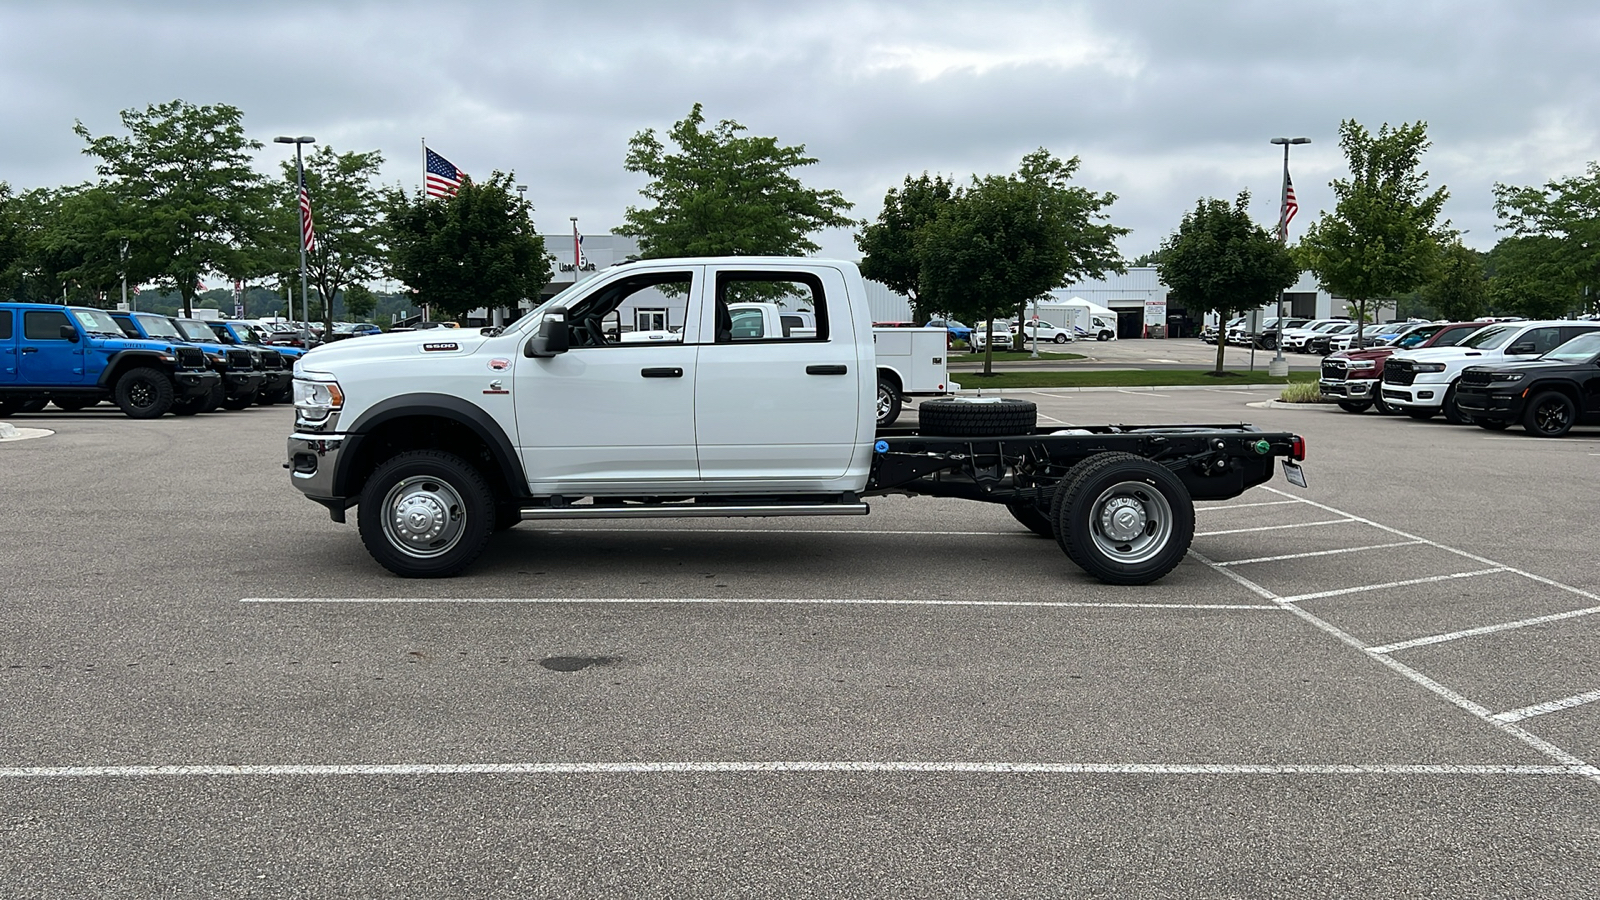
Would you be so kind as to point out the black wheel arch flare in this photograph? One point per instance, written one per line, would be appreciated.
(351, 469)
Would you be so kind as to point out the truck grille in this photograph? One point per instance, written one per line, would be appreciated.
(240, 359)
(190, 357)
(1399, 371)
(1478, 377)
(271, 359)
(1333, 369)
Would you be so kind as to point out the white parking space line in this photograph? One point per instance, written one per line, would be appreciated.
(1388, 584)
(1262, 559)
(1412, 675)
(1486, 629)
(1272, 527)
(755, 601)
(1546, 441)
(693, 530)
(414, 770)
(1246, 505)
(1539, 709)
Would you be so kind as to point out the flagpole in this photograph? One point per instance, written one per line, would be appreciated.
(1279, 365)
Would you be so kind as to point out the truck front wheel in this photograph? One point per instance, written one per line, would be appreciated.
(888, 402)
(426, 514)
(144, 393)
(1125, 520)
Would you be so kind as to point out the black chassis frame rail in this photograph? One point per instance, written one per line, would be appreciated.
(1215, 462)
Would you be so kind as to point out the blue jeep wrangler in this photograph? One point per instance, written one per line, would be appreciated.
(277, 385)
(75, 357)
(238, 371)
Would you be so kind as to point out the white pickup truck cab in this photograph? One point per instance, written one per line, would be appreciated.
(443, 438)
(1422, 383)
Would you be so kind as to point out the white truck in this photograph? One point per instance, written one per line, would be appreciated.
(443, 438)
(1422, 383)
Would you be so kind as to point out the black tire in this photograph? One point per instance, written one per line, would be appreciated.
(239, 401)
(266, 398)
(976, 416)
(1032, 518)
(1490, 424)
(1137, 495)
(449, 514)
(1061, 338)
(888, 402)
(213, 399)
(1422, 414)
(1452, 412)
(1383, 407)
(144, 393)
(187, 406)
(507, 515)
(33, 406)
(10, 407)
(1355, 406)
(1103, 336)
(73, 404)
(1550, 414)
(1064, 488)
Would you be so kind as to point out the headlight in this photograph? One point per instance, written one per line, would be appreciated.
(1505, 376)
(1362, 364)
(1427, 367)
(314, 400)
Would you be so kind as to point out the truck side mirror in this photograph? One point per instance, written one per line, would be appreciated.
(68, 333)
(552, 338)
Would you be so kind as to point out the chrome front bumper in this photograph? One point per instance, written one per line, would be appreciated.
(313, 459)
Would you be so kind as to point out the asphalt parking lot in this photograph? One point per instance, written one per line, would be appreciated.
(1382, 685)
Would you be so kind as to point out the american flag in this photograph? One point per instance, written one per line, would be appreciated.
(308, 234)
(444, 179)
(1290, 207)
(577, 248)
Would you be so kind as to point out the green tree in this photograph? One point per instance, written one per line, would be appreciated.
(889, 245)
(1010, 238)
(13, 241)
(1554, 246)
(476, 249)
(184, 180)
(359, 301)
(1383, 236)
(1459, 291)
(346, 213)
(721, 193)
(1220, 259)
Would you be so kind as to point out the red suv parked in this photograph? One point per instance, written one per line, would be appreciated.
(1351, 377)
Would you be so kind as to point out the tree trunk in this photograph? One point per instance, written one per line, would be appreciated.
(1222, 340)
(988, 348)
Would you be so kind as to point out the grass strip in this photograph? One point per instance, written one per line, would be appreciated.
(1124, 378)
(1013, 356)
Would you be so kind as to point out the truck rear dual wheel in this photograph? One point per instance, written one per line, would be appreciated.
(1032, 518)
(144, 393)
(976, 416)
(1123, 518)
(426, 514)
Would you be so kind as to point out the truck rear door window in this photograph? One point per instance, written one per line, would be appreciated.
(5, 324)
(798, 297)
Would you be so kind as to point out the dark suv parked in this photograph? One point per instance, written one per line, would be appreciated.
(1547, 395)
(75, 357)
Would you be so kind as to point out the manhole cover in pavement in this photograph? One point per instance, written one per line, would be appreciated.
(574, 663)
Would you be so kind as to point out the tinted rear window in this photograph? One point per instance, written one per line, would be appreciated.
(5, 324)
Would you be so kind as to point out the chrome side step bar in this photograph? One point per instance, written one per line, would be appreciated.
(668, 511)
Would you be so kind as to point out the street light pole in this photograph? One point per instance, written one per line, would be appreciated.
(300, 169)
(1279, 365)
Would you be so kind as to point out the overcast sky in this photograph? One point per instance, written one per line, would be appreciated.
(1165, 102)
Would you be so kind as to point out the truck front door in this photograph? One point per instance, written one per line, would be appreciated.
(772, 408)
(44, 356)
(609, 414)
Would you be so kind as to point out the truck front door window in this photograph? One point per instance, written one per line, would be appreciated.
(44, 356)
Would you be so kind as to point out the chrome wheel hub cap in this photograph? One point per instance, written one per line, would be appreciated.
(1132, 522)
(423, 517)
(1123, 519)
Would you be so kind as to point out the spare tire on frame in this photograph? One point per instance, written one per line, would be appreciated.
(976, 416)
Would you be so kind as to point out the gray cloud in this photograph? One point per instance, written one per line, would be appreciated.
(1165, 102)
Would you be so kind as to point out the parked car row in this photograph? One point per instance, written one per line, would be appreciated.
(1542, 375)
(147, 364)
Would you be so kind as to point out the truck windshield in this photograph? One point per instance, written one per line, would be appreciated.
(1490, 338)
(96, 322)
(197, 331)
(1580, 349)
(159, 326)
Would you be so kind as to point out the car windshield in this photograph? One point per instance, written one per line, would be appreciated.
(1580, 349)
(247, 334)
(197, 331)
(96, 322)
(158, 326)
(1416, 337)
(1326, 327)
(1490, 338)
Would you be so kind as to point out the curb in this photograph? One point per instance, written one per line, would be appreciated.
(1141, 388)
(9, 433)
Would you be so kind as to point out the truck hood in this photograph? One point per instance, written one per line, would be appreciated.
(1524, 365)
(430, 342)
(1444, 353)
(1365, 353)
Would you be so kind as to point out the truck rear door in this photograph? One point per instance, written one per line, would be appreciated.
(775, 408)
(8, 347)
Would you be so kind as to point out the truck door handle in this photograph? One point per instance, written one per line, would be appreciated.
(662, 372)
(827, 370)
(30, 349)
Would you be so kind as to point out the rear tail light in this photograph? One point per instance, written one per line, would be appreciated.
(1297, 448)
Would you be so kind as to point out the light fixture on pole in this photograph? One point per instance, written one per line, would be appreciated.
(300, 169)
(1279, 365)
